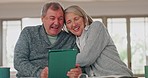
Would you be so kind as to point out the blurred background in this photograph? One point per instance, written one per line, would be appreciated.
(126, 21)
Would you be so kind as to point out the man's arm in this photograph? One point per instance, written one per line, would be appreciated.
(21, 56)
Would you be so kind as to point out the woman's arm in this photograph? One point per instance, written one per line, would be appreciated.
(97, 40)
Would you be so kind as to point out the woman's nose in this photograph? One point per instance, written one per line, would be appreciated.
(74, 23)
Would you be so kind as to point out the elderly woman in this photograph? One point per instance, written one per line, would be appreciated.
(98, 55)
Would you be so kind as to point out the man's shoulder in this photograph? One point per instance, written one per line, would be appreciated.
(32, 27)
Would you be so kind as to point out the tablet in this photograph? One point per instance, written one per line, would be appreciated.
(60, 62)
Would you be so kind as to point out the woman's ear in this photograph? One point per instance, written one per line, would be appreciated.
(86, 22)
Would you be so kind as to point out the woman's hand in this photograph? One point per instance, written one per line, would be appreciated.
(75, 72)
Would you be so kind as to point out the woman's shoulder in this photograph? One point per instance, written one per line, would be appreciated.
(96, 22)
(97, 25)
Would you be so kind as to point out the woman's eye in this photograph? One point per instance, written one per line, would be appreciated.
(77, 18)
(68, 22)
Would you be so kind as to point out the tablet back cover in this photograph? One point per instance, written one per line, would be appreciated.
(60, 62)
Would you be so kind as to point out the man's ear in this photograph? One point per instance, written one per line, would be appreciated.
(42, 18)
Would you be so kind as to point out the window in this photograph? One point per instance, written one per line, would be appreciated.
(11, 30)
(117, 30)
(139, 43)
(126, 32)
(31, 22)
(130, 35)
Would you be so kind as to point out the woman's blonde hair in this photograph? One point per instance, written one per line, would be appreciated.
(79, 11)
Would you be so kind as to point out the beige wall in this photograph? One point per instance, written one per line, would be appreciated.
(100, 8)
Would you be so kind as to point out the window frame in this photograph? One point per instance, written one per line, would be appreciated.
(1, 43)
(104, 20)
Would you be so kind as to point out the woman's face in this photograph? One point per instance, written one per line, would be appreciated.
(74, 23)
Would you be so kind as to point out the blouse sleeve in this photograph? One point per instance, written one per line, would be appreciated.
(97, 40)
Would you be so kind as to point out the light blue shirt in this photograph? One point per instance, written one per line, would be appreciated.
(52, 39)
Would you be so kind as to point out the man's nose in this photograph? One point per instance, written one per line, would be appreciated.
(56, 21)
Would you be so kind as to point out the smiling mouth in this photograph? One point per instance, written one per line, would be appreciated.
(76, 29)
(55, 27)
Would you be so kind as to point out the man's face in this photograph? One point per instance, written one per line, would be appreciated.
(53, 21)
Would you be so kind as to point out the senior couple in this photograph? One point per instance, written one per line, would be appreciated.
(98, 55)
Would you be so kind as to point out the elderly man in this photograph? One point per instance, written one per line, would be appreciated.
(31, 50)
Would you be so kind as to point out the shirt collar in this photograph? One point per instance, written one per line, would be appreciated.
(86, 27)
(84, 31)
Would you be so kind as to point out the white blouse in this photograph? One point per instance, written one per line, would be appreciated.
(80, 41)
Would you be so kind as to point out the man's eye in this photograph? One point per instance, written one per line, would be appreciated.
(51, 18)
(61, 18)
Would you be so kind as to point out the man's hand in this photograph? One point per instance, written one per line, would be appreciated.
(44, 73)
(75, 72)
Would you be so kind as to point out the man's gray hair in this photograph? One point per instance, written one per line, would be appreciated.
(52, 5)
